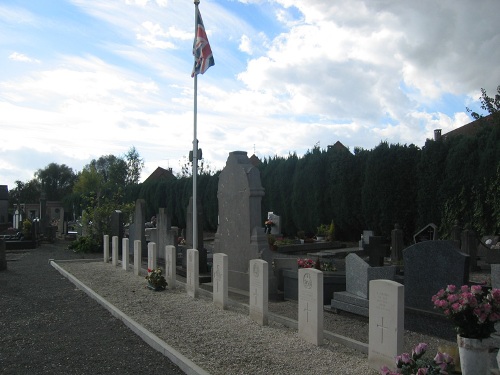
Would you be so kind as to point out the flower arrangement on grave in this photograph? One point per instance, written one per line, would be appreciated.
(306, 263)
(414, 364)
(474, 310)
(155, 279)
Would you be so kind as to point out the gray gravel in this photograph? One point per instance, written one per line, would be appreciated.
(221, 342)
(49, 327)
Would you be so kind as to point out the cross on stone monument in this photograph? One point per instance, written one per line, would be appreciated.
(307, 312)
(167, 266)
(217, 277)
(382, 327)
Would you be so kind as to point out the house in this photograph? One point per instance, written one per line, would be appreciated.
(470, 129)
(160, 174)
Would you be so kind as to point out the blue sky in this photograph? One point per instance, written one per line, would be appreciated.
(80, 79)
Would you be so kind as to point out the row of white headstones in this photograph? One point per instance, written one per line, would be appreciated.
(386, 302)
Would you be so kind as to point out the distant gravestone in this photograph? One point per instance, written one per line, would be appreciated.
(189, 224)
(105, 243)
(259, 295)
(311, 305)
(240, 234)
(170, 265)
(469, 247)
(456, 234)
(386, 323)
(162, 229)
(117, 227)
(137, 228)
(358, 277)
(377, 251)
(193, 274)
(137, 257)
(276, 220)
(3, 257)
(429, 267)
(152, 256)
(427, 233)
(397, 244)
(125, 255)
(219, 280)
(114, 250)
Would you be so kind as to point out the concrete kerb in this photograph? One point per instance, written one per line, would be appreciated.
(184, 363)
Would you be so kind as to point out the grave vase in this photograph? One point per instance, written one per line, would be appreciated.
(474, 355)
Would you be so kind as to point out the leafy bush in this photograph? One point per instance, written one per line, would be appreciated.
(85, 244)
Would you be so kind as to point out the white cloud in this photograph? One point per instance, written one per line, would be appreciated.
(16, 56)
(245, 44)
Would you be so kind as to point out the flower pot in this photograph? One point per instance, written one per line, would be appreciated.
(155, 288)
(474, 355)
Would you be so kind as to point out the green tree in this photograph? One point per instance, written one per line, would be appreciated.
(56, 180)
(134, 166)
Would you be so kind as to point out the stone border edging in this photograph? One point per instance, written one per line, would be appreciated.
(184, 363)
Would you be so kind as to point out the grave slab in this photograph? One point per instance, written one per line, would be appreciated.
(193, 273)
(386, 323)
(259, 294)
(125, 256)
(170, 265)
(114, 251)
(152, 256)
(105, 243)
(311, 305)
(137, 257)
(220, 280)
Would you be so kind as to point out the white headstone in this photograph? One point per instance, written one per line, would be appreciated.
(106, 248)
(125, 258)
(114, 250)
(386, 323)
(259, 291)
(152, 255)
(311, 305)
(220, 280)
(193, 271)
(137, 257)
(170, 265)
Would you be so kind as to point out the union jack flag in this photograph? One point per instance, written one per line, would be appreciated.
(203, 57)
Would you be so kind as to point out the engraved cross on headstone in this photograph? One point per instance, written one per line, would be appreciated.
(217, 277)
(307, 312)
(167, 265)
(382, 327)
(255, 294)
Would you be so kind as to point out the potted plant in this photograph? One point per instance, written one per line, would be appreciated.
(414, 364)
(156, 281)
(321, 232)
(474, 311)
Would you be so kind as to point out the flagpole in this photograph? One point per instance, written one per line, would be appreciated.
(195, 142)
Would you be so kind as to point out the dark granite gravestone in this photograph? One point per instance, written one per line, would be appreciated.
(376, 251)
(137, 229)
(117, 228)
(429, 267)
(397, 244)
(240, 234)
(3, 258)
(469, 247)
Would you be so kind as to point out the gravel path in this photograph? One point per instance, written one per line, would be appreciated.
(49, 327)
(221, 342)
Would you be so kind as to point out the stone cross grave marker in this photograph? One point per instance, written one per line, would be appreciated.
(137, 257)
(170, 265)
(152, 256)
(193, 273)
(311, 305)
(386, 323)
(125, 257)
(114, 250)
(106, 248)
(259, 294)
(220, 284)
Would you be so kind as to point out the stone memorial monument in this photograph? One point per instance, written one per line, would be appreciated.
(240, 234)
